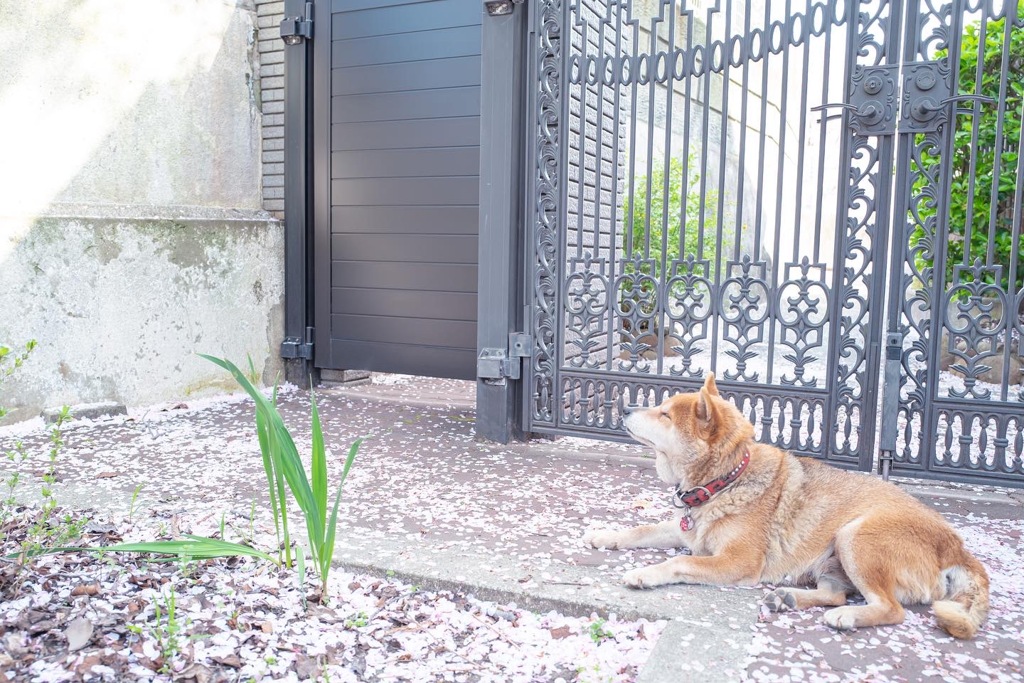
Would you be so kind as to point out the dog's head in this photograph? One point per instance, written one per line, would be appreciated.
(689, 429)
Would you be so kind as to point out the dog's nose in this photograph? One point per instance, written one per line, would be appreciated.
(627, 409)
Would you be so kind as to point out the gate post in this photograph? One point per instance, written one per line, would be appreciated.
(498, 411)
(297, 347)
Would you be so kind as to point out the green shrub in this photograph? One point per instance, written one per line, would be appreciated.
(982, 157)
(671, 227)
(635, 214)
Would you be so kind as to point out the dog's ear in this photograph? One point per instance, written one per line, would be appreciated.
(709, 384)
(706, 408)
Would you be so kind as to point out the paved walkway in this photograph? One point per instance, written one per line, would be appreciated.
(441, 508)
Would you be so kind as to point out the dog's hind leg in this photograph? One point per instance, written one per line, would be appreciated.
(871, 572)
(832, 587)
(829, 593)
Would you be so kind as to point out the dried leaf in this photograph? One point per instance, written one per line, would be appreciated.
(231, 660)
(86, 589)
(560, 632)
(108, 475)
(87, 664)
(306, 667)
(78, 634)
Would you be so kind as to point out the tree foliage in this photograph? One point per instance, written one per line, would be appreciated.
(983, 180)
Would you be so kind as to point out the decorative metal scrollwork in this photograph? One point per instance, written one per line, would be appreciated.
(689, 303)
(745, 308)
(803, 309)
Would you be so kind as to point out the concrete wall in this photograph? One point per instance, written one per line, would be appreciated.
(132, 233)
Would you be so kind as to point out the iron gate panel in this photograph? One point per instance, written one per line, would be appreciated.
(714, 184)
(957, 300)
(681, 225)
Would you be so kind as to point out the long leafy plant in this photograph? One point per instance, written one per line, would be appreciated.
(285, 472)
(283, 465)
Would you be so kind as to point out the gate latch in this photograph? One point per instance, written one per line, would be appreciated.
(890, 401)
(497, 365)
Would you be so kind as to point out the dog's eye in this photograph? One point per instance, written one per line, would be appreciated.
(664, 415)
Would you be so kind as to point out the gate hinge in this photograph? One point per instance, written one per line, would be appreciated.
(294, 347)
(500, 8)
(497, 365)
(890, 401)
(296, 29)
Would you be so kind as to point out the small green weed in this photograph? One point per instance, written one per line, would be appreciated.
(358, 620)
(131, 506)
(165, 629)
(598, 632)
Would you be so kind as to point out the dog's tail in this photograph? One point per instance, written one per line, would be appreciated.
(965, 605)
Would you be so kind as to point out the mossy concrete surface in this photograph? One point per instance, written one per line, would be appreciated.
(120, 306)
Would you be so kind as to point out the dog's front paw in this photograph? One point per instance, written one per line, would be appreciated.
(602, 538)
(638, 578)
(780, 600)
(842, 618)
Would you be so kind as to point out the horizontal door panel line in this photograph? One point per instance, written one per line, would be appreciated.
(439, 88)
(409, 177)
(471, 290)
(418, 118)
(424, 60)
(467, 84)
(403, 177)
(357, 288)
(411, 345)
(406, 263)
(341, 206)
(403, 149)
(411, 320)
(460, 235)
(343, 6)
(399, 149)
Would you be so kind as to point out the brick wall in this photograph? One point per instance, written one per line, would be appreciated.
(271, 87)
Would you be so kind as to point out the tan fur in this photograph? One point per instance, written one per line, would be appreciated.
(798, 521)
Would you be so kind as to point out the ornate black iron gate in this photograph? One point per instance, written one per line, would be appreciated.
(714, 185)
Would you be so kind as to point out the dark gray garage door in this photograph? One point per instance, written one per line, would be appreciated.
(399, 257)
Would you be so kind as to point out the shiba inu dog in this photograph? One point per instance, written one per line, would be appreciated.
(752, 513)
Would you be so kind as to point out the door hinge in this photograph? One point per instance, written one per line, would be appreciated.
(890, 401)
(495, 365)
(296, 29)
(294, 347)
(500, 8)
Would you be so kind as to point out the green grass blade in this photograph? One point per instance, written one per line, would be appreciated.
(353, 449)
(295, 475)
(195, 547)
(277, 460)
(327, 552)
(319, 463)
(268, 468)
